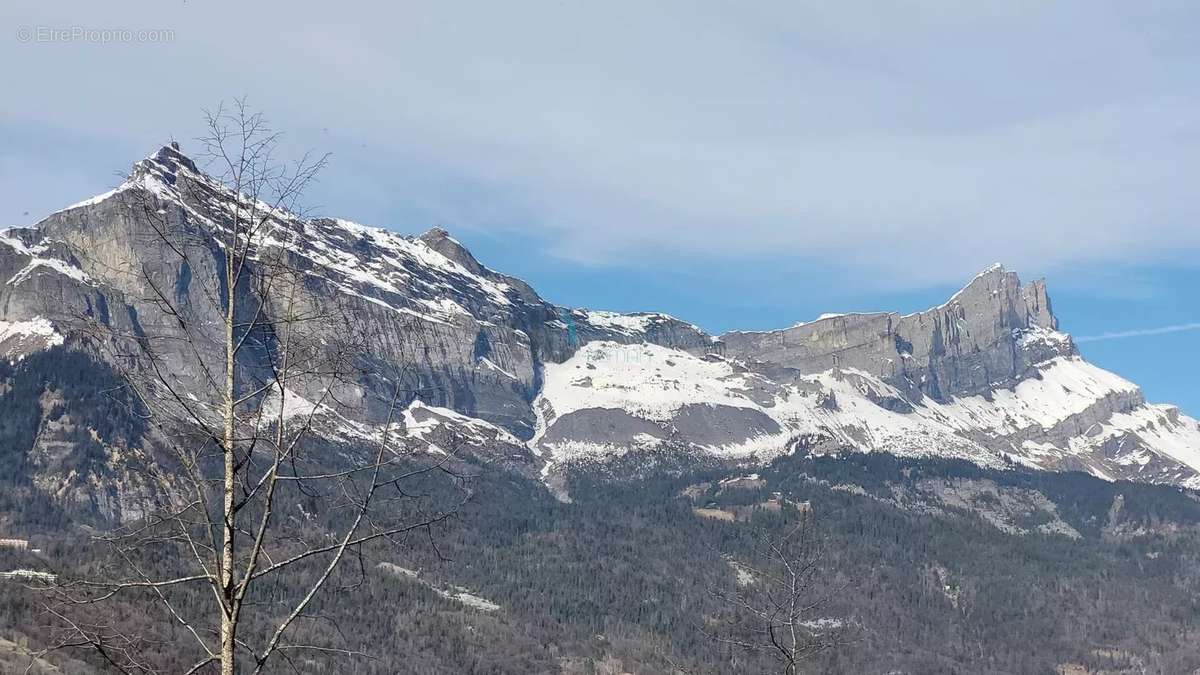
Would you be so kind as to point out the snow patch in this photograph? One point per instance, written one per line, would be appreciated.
(484, 361)
(644, 379)
(18, 338)
(458, 594)
(474, 429)
(742, 574)
(621, 323)
(465, 597)
(38, 259)
(1067, 386)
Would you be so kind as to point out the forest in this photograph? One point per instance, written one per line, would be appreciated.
(939, 566)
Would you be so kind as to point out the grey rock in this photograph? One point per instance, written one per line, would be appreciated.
(969, 345)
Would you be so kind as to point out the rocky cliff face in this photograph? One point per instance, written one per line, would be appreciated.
(108, 274)
(985, 376)
(466, 337)
(976, 341)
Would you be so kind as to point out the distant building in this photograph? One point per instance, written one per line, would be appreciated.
(19, 544)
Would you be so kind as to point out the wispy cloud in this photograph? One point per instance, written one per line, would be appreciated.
(837, 133)
(1117, 335)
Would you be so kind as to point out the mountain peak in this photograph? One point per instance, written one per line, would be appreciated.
(171, 158)
(440, 240)
(1002, 290)
(435, 233)
(162, 167)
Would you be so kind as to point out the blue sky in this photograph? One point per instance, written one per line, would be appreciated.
(740, 165)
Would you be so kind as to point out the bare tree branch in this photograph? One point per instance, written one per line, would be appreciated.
(774, 604)
(237, 381)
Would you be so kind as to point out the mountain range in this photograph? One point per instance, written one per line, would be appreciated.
(987, 376)
(994, 503)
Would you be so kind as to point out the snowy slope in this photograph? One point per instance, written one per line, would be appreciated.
(1036, 422)
(668, 387)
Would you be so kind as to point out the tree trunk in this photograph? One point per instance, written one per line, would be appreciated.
(229, 613)
(228, 665)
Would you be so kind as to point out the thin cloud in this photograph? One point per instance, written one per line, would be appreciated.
(837, 134)
(1117, 335)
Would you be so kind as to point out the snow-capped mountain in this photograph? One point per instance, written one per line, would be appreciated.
(987, 376)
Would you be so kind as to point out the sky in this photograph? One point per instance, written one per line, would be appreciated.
(739, 165)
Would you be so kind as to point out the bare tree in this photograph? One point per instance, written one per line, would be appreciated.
(775, 605)
(236, 376)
